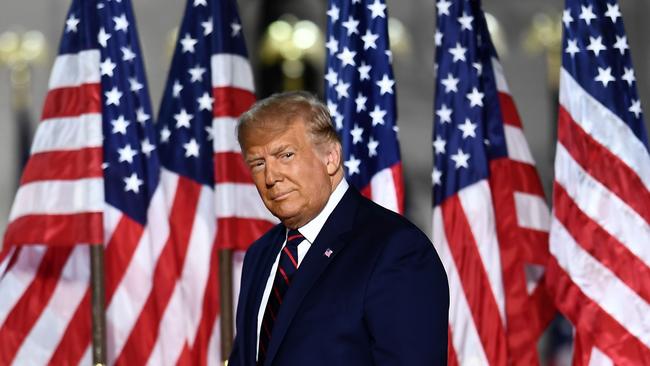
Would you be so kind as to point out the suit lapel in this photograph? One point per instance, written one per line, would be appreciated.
(315, 262)
(262, 268)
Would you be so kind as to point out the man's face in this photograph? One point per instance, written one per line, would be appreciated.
(291, 175)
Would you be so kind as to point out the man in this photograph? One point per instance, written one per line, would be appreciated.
(341, 281)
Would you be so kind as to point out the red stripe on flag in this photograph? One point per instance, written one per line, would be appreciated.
(398, 180)
(119, 250)
(474, 279)
(509, 113)
(604, 166)
(601, 245)
(33, 301)
(452, 358)
(72, 101)
(168, 269)
(231, 101)
(57, 230)
(589, 318)
(77, 337)
(64, 165)
(229, 167)
(524, 318)
(238, 233)
(210, 310)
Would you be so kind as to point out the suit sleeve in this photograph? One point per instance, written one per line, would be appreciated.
(407, 303)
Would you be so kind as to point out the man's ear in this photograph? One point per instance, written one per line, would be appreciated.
(333, 158)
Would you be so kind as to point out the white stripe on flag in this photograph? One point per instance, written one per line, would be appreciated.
(134, 288)
(240, 200)
(604, 126)
(214, 347)
(59, 197)
(465, 339)
(598, 358)
(382, 186)
(75, 69)
(532, 212)
(517, 145)
(68, 133)
(476, 201)
(42, 340)
(87, 357)
(603, 206)
(225, 135)
(599, 284)
(502, 84)
(230, 70)
(15, 282)
(5, 262)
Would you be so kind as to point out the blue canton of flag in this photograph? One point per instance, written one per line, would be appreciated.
(360, 92)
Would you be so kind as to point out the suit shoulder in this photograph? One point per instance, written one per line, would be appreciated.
(387, 222)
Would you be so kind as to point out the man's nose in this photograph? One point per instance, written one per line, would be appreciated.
(271, 173)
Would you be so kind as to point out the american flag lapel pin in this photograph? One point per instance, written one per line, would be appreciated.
(328, 252)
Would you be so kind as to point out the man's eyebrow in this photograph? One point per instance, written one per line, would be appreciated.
(278, 149)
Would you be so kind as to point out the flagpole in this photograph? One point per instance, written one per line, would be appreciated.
(98, 301)
(225, 281)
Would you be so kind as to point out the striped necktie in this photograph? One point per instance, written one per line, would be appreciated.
(287, 267)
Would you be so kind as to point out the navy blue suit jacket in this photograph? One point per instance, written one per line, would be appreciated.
(380, 298)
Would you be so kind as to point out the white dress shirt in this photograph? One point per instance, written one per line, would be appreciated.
(310, 232)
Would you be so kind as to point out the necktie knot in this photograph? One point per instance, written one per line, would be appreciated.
(294, 237)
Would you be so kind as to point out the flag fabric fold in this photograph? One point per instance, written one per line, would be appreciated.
(92, 178)
(490, 219)
(360, 92)
(599, 270)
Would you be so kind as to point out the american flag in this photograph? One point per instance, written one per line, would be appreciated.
(213, 201)
(490, 220)
(360, 92)
(599, 271)
(92, 178)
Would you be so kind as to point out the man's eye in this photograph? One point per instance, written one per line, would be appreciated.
(287, 155)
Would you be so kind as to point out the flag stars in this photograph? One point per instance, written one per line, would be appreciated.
(635, 108)
(205, 102)
(176, 89)
(188, 43)
(351, 25)
(196, 73)
(436, 177)
(361, 102)
(121, 24)
(572, 47)
(141, 116)
(605, 76)
(332, 45)
(475, 98)
(438, 37)
(331, 77)
(587, 14)
(377, 116)
(479, 68)
(132, 183)
(468, 128)
(71, 24)
(353, 165)
(165, 134)
(465, 21)
(356, 133)
(621, 44)
(183, 119)
(135, 85)
(333, 13)
(443, 7)
(235, 28)
(126, 154)
(628, 76)
(103, 37)
(119, 125)
(596, 45)
(364, 71)
(369, 40)
(458, 52)
(127, 54)
(613, 12)
(567, 19)
(207, 27)
(200, 3)
(461, 159)
(439, 145)
(377, 9)
(444, 114)
(346, 57)
(191, 149)
(342, 89)
(147, 147)
(113, 96)
(107, 67)
(385, 85)
(450, 83)
(372, 147)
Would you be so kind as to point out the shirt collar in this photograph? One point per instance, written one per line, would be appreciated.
(312, 228)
